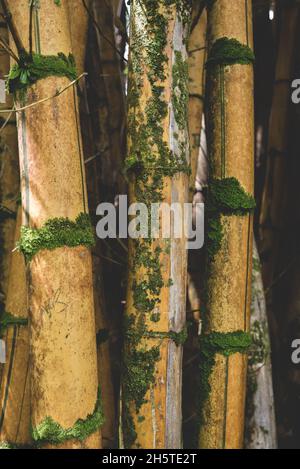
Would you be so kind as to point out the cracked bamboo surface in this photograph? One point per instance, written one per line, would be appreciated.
(231, 153)
(64, 367)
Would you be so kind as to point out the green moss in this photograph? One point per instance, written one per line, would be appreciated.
(56, 233)
(52, 432)
(137, 375)
(227, 51)
(229, 197)
(180, 94)
(179, 338)
(36, 67)
(7, 319)
(225, 344)
(260, 348)
(223, 197)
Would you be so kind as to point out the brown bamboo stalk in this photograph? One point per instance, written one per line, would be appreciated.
(9, 177)
(274, 194)
(15, 379)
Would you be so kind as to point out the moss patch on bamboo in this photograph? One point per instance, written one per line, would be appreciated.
(223, 197)
(56, 233)
(225, 344)
(227, 51)
(30, 69)
(52, 432)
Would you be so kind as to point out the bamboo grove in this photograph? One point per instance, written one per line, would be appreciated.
(138, 342)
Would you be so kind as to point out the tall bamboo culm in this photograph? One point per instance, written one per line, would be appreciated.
(225, 339)
(66, 410)
(157, 164)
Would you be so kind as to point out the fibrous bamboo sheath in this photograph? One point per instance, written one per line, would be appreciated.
(15, 377)
(157, 166)
(64, 367)
(230, 137)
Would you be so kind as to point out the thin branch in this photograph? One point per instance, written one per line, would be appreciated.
(6, 47)
(58, 93)
(6, 121)
(11, 26)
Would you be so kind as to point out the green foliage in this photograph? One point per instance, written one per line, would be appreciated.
(52, 432)
(36, 67)
(56, 233)
(7, 319)
(57, 3)
(227, 51)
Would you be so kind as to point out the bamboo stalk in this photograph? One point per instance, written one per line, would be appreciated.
(155, 305)
(64, 366)
(274, 194)
(15, 378)
(228, 289)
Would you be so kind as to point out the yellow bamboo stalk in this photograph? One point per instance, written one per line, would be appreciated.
(79, 19)
(15, 379)
(231, 136)
(64, 367)
(155, 305)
